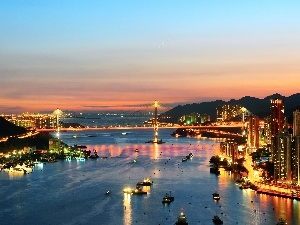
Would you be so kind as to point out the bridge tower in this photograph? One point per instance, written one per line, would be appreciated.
(155, 122)
(57, 113)
(155, 126)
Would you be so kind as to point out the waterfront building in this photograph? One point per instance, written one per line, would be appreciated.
(296, 159)
(282, 156)
(230, 149)
(296, 122)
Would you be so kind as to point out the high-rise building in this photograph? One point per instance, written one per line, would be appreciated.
(277, 116)
(253, 132)
(296, 122)
(282, 156)
(227, 112)
(296, 159)
(267, 130)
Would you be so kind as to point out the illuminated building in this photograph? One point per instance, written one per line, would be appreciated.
(253, 132)
(296, 122)
(282, 156)
(277, 116)
(230, 148)
(204, 118)
(34, 120)
(227, 112)
(54, 144)
(296, 147)
(193, 118)
(267, 130)
(296, 159)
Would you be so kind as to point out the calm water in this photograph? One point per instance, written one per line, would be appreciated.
(105, 120)
(74, 192)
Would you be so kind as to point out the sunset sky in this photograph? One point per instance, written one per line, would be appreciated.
(105, 55)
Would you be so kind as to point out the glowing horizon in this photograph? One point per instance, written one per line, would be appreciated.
(116, 55)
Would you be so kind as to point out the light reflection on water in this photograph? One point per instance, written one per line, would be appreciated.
(74, 192)
(127, 209)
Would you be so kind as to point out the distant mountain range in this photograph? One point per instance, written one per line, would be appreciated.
(259, 107)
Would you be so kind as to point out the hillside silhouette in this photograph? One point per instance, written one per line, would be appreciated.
(258, 107)
(9, 129)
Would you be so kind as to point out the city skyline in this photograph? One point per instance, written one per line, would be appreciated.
(113, 55)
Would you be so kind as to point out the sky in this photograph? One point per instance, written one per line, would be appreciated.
(104, 55)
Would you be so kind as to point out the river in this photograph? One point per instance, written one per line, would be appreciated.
(73, 192)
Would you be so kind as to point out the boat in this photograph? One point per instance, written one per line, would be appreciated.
(217, 220)
(184, 159)
(181, 220)
(168, 198)
(216, 196)
(156, 142)
(124, 133)
(17, 169)
(281, 221)
(145, 182)
(136, 191)
(136, 150)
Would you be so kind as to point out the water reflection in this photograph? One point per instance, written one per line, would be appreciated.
(127, 209)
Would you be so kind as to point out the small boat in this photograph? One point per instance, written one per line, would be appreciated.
(17, 169)
(156, 141)
(281, 221)
(181, 220)
(216, 196)
(217, 220)
(107, 192)
(168, 198)
(136, 191)
(184, 159)
(124, 133)
(136, 150)
(145, 182)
